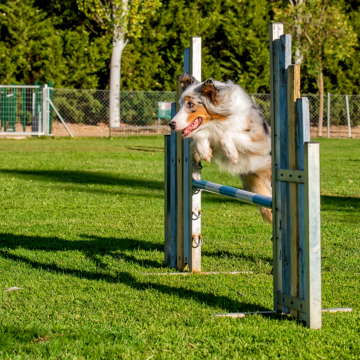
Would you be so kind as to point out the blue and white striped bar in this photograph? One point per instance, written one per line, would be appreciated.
(242, 195)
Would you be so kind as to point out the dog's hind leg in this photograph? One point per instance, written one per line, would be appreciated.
(259, 183)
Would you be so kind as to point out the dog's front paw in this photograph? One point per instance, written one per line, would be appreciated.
(207, 156)
(234, 158)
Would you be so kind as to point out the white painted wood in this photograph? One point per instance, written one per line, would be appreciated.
(313, 242)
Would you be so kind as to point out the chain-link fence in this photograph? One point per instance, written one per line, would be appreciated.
(21, 110)
(86, 112)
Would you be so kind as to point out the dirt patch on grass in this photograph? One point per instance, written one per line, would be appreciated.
(103, 130)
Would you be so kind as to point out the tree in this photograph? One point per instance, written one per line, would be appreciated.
(235, 44)
(324, 35)
(124, 18)
(34, 50)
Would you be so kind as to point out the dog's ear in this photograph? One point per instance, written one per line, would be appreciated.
(209, 90)
(186, 80)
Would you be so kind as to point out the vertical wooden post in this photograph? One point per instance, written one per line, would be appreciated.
(302, 136)
(283, 134)
(313, 243)
(187, 179)
(180, 186)
(173, 193)
(167, 222)
(293, 87)
(195, 248)
(275, 31)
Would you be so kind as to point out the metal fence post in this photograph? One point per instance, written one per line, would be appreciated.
(348, 114)
(328, 115)
(45, 110)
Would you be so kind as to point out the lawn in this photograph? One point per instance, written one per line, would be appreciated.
(82, 225)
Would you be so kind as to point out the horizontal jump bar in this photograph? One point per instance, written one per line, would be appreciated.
(242, 195)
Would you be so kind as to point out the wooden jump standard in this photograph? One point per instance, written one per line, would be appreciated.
(295, 202)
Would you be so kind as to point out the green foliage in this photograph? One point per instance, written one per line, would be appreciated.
(33, 50)
(325, 33)
(233, 35)
(140, 108)
(119, 14)
(80, 107)
(54, 41)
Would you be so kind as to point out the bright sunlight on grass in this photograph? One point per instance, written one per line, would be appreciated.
(82, 224)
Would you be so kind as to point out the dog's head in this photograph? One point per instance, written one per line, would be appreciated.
(199, 104)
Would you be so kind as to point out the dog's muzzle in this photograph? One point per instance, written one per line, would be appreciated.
(172, 125)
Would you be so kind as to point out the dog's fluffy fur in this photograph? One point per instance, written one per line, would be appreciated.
(226, 127)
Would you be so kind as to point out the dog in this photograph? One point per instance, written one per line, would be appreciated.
(226, 127)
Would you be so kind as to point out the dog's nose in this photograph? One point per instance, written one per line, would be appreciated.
(172, 125)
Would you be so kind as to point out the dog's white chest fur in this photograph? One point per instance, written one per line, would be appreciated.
(233, 146)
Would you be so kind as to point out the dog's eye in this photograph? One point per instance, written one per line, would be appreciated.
(189, 104)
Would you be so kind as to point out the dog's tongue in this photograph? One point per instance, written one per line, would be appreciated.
(194, 125)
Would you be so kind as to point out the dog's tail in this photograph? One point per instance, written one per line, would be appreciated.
(259, 183)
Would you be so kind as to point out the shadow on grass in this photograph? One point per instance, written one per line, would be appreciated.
(112, 191)
(251, 258)
(207, 298)
(85, 177)
(92, 247)
(145, 149)
(340, 203)
(102, 246)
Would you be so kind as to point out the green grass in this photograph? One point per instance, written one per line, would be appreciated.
(82, 221)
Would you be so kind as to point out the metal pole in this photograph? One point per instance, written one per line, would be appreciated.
(24, 109)
(348, 114)
(61, 119)
(242, 195)
(328, 115)
(51, 98)
(45, 111)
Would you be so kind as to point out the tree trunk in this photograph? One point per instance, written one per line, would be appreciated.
(321, 111)
(115, 72)
(298, 19)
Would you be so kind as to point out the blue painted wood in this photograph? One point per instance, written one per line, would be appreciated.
(285, 61)
(187, 192)
(187, 60)
(242, 195)
(167, 164)
(275, 31)
(173, 193)
(303, 135)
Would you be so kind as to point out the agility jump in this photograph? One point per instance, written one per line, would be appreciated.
(295, 201)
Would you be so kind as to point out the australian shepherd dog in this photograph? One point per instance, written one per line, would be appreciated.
(226, 127)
